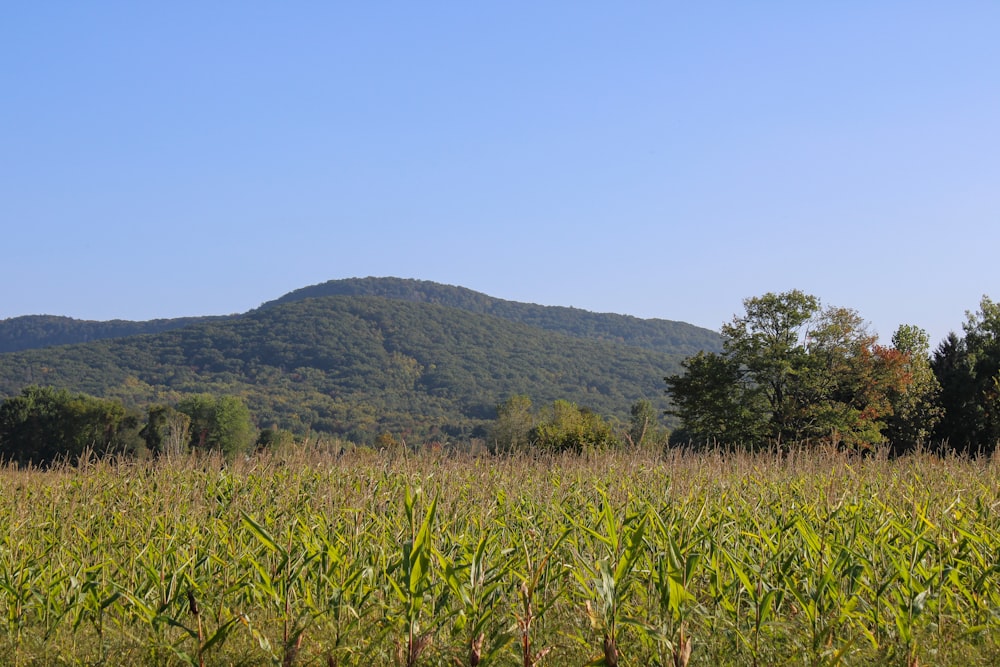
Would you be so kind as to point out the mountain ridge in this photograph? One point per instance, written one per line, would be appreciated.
(358, 364)
(659, 334)
(37, 331)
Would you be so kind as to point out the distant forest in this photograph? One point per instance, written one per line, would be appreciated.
(792, 372)
(387, 362)
(358, 358)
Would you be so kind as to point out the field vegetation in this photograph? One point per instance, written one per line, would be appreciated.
(552, 531)
(298, 556)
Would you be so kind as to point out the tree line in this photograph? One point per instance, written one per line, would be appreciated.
(789, 371)
(42, 425)
(353, 367)
(564, 426)
(793, 371)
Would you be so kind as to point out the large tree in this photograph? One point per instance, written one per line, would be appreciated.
(221, 423)
(916, 411)
(790, 371)
(968, 370)
(44, 424)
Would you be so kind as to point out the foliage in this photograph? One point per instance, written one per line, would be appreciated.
(916, 411)
(220, 424)
(714, 402)
(354, 366)
(511, 431)
(675, 338)
(43, 424)
(566, 427)
(167, 431)
(968, 370)
(791, 371)
(37, 331)
(644, 428)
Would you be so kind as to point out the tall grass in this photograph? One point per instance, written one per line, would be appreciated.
(303, 558)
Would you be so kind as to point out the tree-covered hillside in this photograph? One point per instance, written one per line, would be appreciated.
(34, 331)
(655, 334)
(355, 365)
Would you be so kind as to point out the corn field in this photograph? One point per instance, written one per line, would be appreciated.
(810, 558)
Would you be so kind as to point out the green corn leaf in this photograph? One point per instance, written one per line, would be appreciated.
(420, 554)
(633, 549)
(260, 532)
(220, 633)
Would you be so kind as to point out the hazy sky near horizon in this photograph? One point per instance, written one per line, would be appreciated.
(658, 159)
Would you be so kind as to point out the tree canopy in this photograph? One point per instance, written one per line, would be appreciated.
(791, 370)
(968, 370)
(43, 424)
(356, 366)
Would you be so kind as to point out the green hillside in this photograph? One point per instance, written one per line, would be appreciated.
(355, 366)
(655, 334)
(357, 357)
(35, 331)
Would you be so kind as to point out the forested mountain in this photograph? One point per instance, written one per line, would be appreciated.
(34, 331)
(358, 365)
(655, 334)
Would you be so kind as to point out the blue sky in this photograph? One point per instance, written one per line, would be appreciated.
(659, 159)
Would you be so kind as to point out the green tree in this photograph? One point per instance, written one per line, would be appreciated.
(982, 343)
(511, 431)
(566, 427)
(916, 411)
(768, 344)
(274, 439)
(167, 431)
(954, 372)
(714, 403)
(851, 381)
(789, 371)
(234, 428)
(644, 428)
(221, 424)
(968, 370)
(42, 424)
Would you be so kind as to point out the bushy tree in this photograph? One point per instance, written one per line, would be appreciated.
(790, 371)
(566, 427)
(274, 439)
(968, 370)
(219, 423)
(644, 428)
(42, 424)
(511, 431)
(915, 411)
(167, 431)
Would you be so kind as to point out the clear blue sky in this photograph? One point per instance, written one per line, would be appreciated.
(659, 159)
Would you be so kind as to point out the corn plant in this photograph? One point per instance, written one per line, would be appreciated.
(606, 581)
(535, 599)
(410, 578)
(278, 583)
(811, 558)
(476, 577)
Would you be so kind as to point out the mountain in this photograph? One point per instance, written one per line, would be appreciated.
(654, 334)
(37, 331)
(34, 331)
(406, 356)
